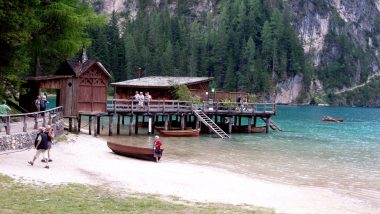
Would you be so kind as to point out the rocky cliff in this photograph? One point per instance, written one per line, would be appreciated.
(341, 39)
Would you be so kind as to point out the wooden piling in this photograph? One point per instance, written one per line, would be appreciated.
(118, 124)
(98, 124)
(130, 124)
(182, 122)
(230, 123)
(110, 120)
(89, 124)
(137, 124)
(249, 124)
(79, 122)
(166, 124)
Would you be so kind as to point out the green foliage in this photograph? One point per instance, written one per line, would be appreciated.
(367, 95)
(44, 31)
(182, 92)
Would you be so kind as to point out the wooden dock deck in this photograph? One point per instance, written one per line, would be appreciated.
(162, 112)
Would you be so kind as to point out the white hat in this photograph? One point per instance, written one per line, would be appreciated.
(157, 137)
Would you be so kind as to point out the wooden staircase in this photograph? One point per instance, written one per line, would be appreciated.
(209, 123)
(272, 125)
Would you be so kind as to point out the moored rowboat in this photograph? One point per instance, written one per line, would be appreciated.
(132, 151)
(180, 133)
(330, 119)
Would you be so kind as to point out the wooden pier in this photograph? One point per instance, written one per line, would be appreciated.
(180, 114)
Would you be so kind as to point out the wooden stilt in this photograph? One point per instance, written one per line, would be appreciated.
(182, 122)
(267, 125)
(154, 119)
(110, 125)
(143, 121)
(249, 124)
(130, 125)
(230, 123)
(137, 124)
(166, 122)
(95, 124)
(254, 121)
(118, 124)
(89, 124)
(149, 125)
(70, 124)
(79, 122)
(197, 123)
(239, 120)
(122, 120)
(98, 124)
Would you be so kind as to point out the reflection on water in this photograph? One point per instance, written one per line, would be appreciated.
(344, 157)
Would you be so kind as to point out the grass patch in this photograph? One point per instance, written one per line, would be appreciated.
(17, 197)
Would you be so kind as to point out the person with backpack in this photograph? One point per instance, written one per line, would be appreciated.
(50, 136)
(41, 145)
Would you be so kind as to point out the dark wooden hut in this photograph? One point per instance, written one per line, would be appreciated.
(160, 86)
(81, 86)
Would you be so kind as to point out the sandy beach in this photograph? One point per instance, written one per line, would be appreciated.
(87, 160)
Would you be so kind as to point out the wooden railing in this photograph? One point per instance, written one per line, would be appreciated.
(47, 117)
(178, 106)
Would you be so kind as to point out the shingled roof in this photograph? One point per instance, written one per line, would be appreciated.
(77, 66)
(161, 81)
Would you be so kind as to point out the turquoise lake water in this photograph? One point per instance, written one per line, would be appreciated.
(343, 157)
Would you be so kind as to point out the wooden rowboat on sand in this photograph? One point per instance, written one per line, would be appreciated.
(133, 151)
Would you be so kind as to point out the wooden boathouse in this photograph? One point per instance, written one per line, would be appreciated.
(160, 87)
(218, 117)
(81, 86)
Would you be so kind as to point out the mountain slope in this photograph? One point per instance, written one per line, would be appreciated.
(340, 40)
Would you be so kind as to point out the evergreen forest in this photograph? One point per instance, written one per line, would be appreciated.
(246, 45)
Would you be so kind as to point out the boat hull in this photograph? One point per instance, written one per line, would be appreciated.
(132, 151)
(180, 133)
(339, 120)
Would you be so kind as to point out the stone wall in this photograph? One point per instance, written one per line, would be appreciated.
(25, 139)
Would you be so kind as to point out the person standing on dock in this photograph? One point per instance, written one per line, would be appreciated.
(141, 100)
(238, 100)
(136, 98)
(157, 148)
(147, 99)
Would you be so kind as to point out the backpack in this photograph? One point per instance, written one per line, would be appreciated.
(35, 140)
(43, 104)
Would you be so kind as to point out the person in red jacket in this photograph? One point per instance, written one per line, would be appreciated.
(157, 148)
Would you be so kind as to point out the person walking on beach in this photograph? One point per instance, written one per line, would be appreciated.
(157, 153)
(50, 136)
(41, 146)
